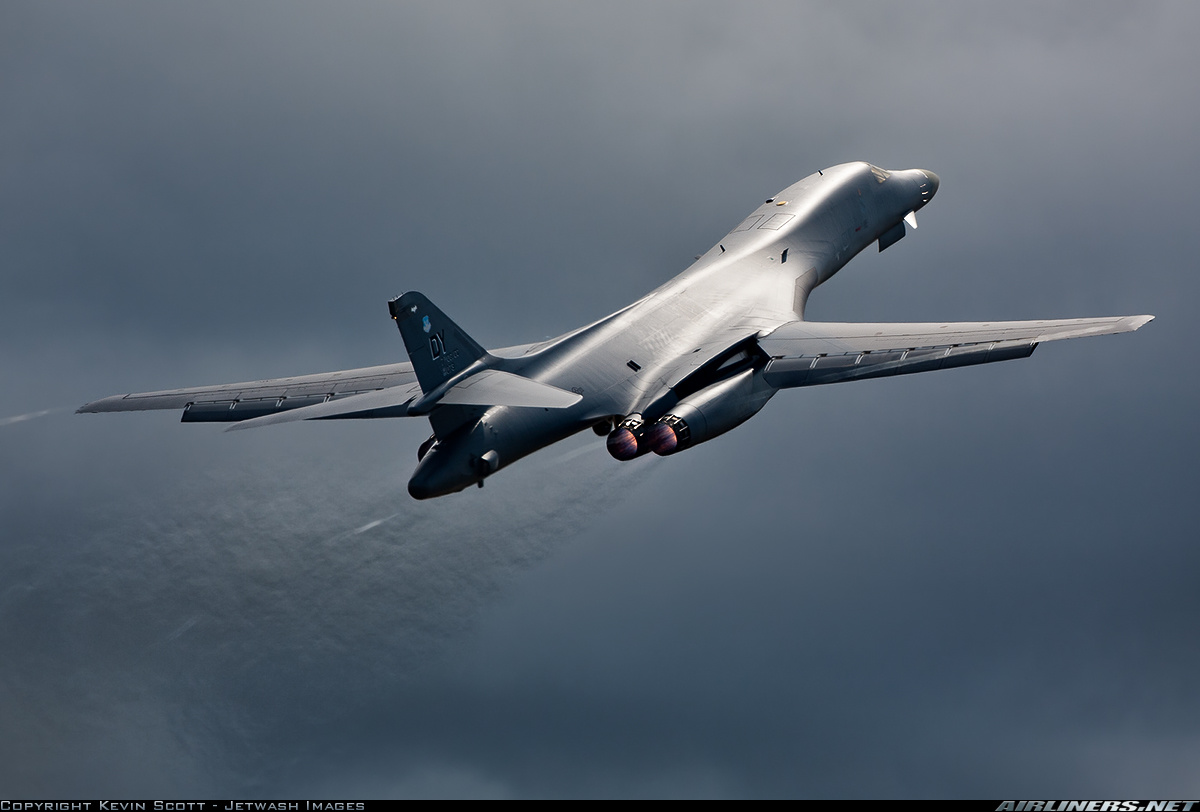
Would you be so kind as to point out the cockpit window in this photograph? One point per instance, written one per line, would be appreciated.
(880, 174)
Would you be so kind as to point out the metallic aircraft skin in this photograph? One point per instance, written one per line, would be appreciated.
(687, 362)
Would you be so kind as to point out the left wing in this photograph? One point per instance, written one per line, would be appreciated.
(807, 353)
(391, 390)
(243, 401)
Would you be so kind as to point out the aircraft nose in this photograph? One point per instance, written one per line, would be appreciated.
(930, 186)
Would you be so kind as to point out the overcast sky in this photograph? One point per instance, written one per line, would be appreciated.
(980, 582)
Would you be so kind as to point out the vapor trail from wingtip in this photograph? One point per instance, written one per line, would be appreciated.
(20, 418)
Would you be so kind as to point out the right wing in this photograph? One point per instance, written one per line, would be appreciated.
(805, 353)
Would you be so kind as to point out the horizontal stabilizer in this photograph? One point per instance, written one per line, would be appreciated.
(491, 387)
(494, 387)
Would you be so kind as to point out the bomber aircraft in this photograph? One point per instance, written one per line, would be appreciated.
(684, 364)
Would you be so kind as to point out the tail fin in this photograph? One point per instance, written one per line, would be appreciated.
(437, 347)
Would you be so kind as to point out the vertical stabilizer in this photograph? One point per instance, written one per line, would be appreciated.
(437, 347)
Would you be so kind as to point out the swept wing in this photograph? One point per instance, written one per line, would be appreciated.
(250, 399)
(805, 353)
(390, 390)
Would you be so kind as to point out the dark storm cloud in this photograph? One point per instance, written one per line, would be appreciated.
(971, 583)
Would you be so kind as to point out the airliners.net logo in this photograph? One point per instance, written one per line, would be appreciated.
(1097, 806)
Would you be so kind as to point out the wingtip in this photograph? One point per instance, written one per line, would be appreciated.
(1137, 322)
(107, 404)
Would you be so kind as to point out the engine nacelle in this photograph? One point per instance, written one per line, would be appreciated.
(708, 413)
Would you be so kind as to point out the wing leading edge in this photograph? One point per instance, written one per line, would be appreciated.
(810, 353)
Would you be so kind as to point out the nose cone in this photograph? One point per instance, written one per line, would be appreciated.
(930, 186)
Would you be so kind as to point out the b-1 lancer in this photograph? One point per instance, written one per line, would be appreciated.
(680, 366)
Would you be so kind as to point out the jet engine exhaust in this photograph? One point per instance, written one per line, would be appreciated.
(623, 442)
(662, 438)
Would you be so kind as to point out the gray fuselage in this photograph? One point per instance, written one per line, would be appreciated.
(638, 360)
